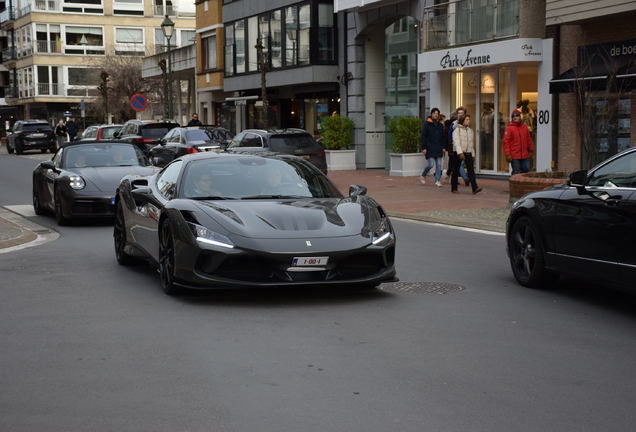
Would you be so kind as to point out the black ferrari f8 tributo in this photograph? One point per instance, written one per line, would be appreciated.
(237, 220)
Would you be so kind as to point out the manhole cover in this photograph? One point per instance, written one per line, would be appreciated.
(421, 287)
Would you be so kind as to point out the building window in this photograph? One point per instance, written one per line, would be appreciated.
(88, 40)
(188, 37)
(129, 41)
(291, 36)
(48, 38)
(91, 2)
(276, 41)
(326, 34)
(209, 52)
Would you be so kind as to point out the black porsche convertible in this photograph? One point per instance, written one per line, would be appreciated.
(81, 178)
(211, 220)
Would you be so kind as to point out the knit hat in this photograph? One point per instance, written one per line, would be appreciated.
(515, 112)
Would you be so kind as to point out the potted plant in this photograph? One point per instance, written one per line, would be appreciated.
(337, 135)
(406, 158)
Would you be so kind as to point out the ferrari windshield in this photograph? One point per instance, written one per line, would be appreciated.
(103, 155)
(249, 177)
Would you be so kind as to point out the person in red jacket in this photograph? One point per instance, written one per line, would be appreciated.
(517, 143)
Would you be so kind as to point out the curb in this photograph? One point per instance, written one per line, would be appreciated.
(446, 221)
(22, 233)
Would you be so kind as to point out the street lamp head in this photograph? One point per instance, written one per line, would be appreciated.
(396, 65)
(167, 26)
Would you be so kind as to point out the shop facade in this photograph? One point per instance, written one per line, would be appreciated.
(490, 80)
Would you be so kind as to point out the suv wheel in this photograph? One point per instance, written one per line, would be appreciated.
(9, 148)
(18, 148)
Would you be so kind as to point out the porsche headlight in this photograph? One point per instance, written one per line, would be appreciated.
(381, 233)
(76, 182)
(205, 235)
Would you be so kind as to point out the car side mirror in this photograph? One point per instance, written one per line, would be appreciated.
(116, 134)
(577, 179)
(223, 145)
(355, 190)
(49, 165)
(158, 161)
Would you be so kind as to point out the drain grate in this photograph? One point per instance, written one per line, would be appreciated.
(421, 287)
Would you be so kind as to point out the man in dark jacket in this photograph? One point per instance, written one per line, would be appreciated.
(433, 143)
(195, 120)
(60, 133)
(72, 129)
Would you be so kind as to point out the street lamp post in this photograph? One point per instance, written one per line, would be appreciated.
(396, 65)
(167, 26)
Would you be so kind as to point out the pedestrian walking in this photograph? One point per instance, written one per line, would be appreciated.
(464, 146)
(72, 128)
(454, 162)
(195, 120)
(60, 133)
(517, 143)
(433, 142)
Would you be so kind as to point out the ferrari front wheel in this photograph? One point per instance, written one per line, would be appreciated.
(167, 259)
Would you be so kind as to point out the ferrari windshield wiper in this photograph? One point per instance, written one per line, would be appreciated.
(212, 198)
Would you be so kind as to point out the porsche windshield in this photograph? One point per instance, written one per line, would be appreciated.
(103, 155)
(254, 177)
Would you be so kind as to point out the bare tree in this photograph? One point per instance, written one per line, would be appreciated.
(119, 78)
(597, 104)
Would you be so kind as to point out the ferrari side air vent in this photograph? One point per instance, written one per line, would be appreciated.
(189, 217)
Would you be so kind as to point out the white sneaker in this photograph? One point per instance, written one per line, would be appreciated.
(438, 184)
(422, 179)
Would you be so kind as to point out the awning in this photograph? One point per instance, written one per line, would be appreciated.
(595, 77)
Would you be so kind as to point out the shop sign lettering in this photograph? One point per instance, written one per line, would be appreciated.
(528, 50)
(450, 62)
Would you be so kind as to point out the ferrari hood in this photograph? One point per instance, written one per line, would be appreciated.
(315, 217)
(106, 179)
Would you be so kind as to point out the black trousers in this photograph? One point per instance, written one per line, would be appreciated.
(470, 171)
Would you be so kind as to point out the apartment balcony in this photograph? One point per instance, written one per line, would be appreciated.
(7, 16)
(460, 23)
(184, 61)
(24, 10)
(44, 46)
(9, 54)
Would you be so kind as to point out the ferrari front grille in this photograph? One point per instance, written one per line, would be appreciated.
(360, 265)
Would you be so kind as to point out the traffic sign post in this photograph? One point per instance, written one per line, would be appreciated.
(138, 102)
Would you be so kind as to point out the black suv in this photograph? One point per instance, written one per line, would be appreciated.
(145, 134)
(297, 142)
(30, 135)
(192, 139)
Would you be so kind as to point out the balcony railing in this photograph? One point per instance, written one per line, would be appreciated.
(459, 23)
(161, 10)
(47, 5)
(7, 14)
(26, 9)
(46, 89)
(10, 91)
(44, 46)
(9, 53)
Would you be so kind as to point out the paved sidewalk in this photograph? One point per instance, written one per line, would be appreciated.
(401, 197)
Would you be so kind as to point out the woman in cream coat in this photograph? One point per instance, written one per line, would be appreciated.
(464, 145)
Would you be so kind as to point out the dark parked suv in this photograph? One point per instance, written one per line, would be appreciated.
(297, 142)
(145, 134)
(31, 135)
(191, 139)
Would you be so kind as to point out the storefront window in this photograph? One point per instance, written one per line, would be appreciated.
(526, 102)
(503, 116)
(610, 126)
(486, 124)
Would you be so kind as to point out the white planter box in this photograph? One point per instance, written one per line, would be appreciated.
(407, 164)
(338, 160)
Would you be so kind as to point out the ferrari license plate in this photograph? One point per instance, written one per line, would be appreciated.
(310, 261)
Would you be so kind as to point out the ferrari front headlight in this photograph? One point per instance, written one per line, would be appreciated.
(381, 233)
(207, 236)
(76, 182)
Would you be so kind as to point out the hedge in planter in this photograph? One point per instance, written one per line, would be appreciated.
(337, 132)
(406, 134)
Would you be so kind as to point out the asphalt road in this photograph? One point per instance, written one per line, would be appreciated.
(90, 345)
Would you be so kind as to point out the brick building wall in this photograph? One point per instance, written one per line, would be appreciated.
(572, 36)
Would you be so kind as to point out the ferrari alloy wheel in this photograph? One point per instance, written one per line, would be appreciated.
(119, 235)
(527, 256)
(37, 208)
(59, 216)
(166, 259)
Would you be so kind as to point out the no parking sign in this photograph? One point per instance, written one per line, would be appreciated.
(138, 102)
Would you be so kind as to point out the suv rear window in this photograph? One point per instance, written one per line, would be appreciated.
(284, 143)
(37, 126)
